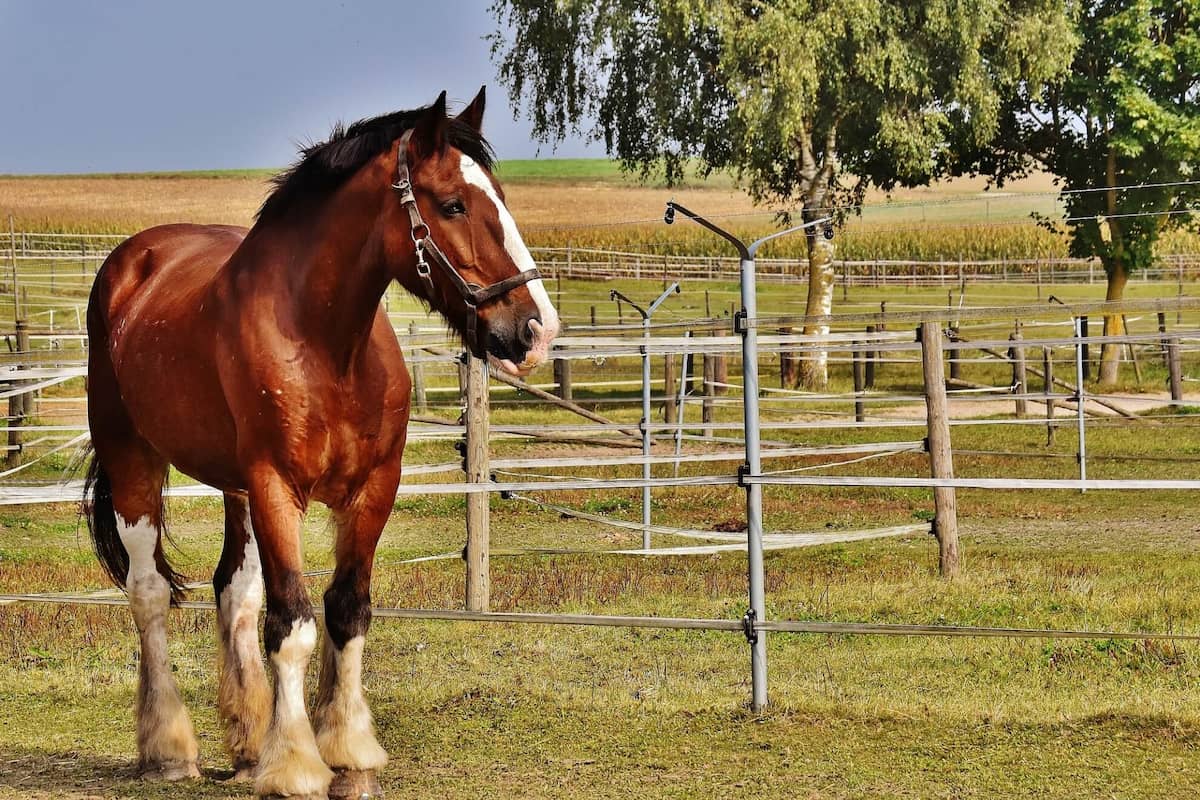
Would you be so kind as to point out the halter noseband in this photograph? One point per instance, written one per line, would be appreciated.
(473, 294)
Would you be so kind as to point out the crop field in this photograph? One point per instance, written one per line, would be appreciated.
(498, 710)
(590, 204)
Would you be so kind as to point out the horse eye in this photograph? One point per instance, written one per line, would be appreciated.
(454, 208)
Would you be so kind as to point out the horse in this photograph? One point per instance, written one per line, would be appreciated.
(260, 362)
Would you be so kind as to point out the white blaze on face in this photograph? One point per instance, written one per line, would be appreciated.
(514, 245)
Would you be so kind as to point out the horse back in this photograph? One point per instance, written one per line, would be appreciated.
(181, 256)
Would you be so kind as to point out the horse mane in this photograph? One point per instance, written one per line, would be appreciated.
(324, 166)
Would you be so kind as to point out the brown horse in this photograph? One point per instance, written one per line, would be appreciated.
(260, 362)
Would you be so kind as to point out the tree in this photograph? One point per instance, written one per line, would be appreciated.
(807, 102)
(1120, 129)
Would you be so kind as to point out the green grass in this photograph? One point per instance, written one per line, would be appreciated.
(545, 712)
(497, 710)
(595, 170)
(503, 710)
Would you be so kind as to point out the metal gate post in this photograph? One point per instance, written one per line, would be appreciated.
(754, 523)
(745, 325)
(647, 440)
(1080, 344)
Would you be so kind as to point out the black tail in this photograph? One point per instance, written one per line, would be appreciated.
(106, 536)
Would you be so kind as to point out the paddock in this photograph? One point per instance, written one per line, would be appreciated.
(882, 454)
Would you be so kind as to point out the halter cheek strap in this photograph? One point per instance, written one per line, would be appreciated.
(473, 294)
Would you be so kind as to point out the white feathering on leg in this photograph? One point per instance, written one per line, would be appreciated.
(345, 730)
(166, 743)
(290, 763)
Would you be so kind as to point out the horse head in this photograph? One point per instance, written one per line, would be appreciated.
(455, 244)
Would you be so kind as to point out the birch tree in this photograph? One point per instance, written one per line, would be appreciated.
(807, 102)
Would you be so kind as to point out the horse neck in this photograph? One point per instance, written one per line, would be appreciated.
(326, 258)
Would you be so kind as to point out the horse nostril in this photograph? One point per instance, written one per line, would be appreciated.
(528, 332)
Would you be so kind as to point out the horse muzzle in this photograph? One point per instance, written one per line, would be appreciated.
(523, 352)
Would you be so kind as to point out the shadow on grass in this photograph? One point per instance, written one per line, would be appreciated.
(27, 772)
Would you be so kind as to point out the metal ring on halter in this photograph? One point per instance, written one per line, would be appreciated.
(420, 240)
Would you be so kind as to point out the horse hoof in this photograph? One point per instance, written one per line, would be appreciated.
(354, 784)
(242, 773)
(170, 771)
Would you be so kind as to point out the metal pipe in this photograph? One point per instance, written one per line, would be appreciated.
(754, 522)
(647, 439)
(745, 325)
(1080, 400)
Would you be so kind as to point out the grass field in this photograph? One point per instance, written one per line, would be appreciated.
(495, 710)
(502, 710)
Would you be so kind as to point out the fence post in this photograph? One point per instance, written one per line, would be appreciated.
(754, 521)
(1019, 382)
(1179, 311)
(476, 456)
(1175, 369)
(869, 367)
(1080, 393)
(418, 374)
(1087, 360)
(941, 461)
(562, 377)
(857, 358)
(26, 354)
(1162, 343)
(706, 405)
(670, 387)
(1048, 388)
(955, 364)
(1133, 359)
(462, 377)
(12, 257)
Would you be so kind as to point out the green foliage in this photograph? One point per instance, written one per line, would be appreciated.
(1124, 114)
(788, 95)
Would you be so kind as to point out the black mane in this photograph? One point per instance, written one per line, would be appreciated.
(324, 166)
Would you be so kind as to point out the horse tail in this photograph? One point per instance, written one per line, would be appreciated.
(101, 517)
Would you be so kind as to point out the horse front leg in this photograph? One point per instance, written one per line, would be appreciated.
(345, 730)
(289, 764)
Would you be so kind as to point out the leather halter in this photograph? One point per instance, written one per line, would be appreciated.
(472, 294)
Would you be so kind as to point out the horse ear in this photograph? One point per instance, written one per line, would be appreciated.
(429, 134)
(473, 114)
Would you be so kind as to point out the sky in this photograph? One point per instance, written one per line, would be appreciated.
(141, 85)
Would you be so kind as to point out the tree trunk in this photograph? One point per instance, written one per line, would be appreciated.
(814, 366)
(1114, 324)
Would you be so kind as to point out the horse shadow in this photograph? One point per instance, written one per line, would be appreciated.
(30, 772)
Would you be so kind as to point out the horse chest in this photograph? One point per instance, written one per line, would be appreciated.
(332, 443)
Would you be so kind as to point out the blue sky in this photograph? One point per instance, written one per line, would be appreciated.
(133, 85)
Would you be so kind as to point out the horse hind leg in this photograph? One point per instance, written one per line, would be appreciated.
(243, 695)
(127, 482)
